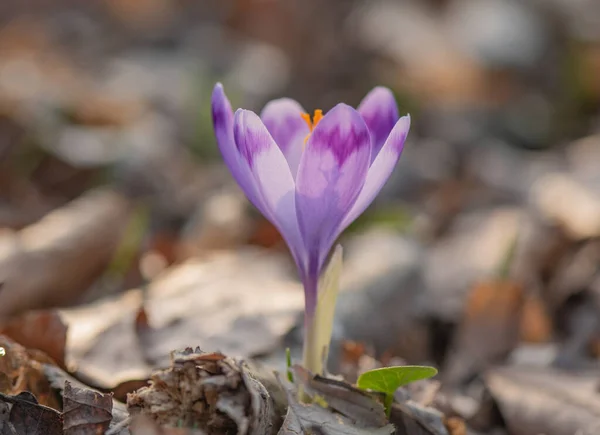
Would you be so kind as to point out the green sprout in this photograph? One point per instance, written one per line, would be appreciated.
(288, 363)
(388, 379)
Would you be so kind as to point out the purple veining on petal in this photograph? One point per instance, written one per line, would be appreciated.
(223, 125)
(399, 134)
(330, 177)
(312, 195)
(380, 112)
(340, 131)
(380, 170)
(250, 135)
(272, 176)
(222, 115)
(283, 119)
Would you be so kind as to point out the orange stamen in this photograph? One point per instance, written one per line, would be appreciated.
(317, 116)
(307, 119)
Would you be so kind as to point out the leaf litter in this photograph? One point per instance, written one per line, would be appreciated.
(429, 296)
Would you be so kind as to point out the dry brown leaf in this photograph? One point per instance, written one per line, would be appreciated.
(102, 111)
(438, 73)
(142, 324)
(355, 405)
(121, 391)
(21, 370)
(569, 203)
(45, 70)
(85, 411)
(218, 303)
(42, 330)
(58, 379)
(456, 426)
(211, 392)
(546, 401)
(53, 261)
(142, 14)
(536, 324)
(469, 254)
(144, 425)
(22, 415)
(488, 332)
(311, 418)
(410, 418)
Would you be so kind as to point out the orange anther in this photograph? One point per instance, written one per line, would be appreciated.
(317, 116)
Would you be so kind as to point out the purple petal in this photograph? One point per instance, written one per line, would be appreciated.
(380, 170)
(283, 119)
(272, 176)
(331, 174)
(380, 112)
(223, 124)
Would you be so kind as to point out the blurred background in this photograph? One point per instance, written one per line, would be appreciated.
(483, 247)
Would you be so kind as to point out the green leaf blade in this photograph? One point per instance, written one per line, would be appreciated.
(389, 379)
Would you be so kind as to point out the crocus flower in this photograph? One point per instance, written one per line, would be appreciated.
(311, 177)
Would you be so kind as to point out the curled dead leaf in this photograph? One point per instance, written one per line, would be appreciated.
(355, 405)
(85, 411)
(211, 392)
(67, 250)
(145, 425)
(23, 415)
(217, 301)
(42, 330)
(312, 418)
(59, 379)
(548, 401)
(456, 426)
(536, 324)
(489, 329)
(21, 370)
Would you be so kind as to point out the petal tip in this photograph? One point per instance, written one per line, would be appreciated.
(400, 132)
(343, 107)
(382, 91)
(406, 119)
(246, 118)
(250, 134)
(218, 91)
(344, 115)
(380, 111)
(285, 104)
(219, 100)
(222, 114)
(284, 119)
(379, 95)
